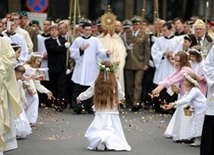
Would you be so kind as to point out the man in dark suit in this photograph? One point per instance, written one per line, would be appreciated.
(56, 48)
(137, 61)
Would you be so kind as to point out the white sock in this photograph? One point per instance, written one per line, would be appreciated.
(198, 139)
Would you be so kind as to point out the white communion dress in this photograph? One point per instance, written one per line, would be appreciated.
(106, 126)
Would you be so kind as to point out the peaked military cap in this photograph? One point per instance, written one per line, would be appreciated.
(98, 21)
(22, 13)
(136, 20)
(127, 23)
(83, 20)
(34, 22)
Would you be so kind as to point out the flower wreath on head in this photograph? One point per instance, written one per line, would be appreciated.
(190, 79)
(108, 69)
(194, 50)
(111, 68)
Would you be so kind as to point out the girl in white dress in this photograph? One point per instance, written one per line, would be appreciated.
(105, 132)
(33, 76)
(197, 62)
(22, 124)
(197, 100)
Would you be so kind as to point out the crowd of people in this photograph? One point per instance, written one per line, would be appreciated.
(94, 68)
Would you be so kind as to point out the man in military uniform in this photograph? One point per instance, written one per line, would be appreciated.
(137, 61)
(127, 25)
(99, 26)
(32, 32)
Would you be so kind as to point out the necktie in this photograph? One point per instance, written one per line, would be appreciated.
(134, 33)
(58, 42)
(199, 41)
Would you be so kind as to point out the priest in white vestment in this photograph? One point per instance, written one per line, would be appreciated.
(9, 97)
(114, 43)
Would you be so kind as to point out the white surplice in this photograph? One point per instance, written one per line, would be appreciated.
(86, 67)
(19, 39)
(162, 64)
(209, 75)
(42, 49)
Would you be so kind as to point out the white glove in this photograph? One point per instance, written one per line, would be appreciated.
(67, 44)
(68, 71)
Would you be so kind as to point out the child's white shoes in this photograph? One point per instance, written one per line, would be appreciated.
(101, 146)
(197, 143)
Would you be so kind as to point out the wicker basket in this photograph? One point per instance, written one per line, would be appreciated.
(187, 111)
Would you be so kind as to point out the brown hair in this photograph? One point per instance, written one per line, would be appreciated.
(184, 59)
(20, 69)
(196, 54)
(105, 89)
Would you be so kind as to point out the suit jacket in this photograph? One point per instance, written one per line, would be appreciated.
(137, 56)
(56, 54)
(207, 44)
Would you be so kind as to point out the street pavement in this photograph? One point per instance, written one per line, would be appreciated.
(62, 133)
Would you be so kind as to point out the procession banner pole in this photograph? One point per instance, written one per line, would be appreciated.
(68, 37)
(156, 16)
(206, 11)
(154, 19)
(74, 19)
(78, 9)
(143, 9)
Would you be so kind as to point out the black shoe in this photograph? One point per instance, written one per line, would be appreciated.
(59, 110)
(135, 108)
(90, 112)
(146, 107)
(77, 110)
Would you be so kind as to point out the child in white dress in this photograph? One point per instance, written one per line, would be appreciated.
(22, 124)
(33, 78)
(105, 132)
(196, 62)
(197, 100)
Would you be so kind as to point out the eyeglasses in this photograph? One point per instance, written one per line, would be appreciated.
(199, 29)
(14, 19)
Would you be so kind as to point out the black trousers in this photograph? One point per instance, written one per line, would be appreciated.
(148, 86)
(43, 97)
(163, 96)
(207, 139)
(87, 103)
(69, 88)
(57, 84)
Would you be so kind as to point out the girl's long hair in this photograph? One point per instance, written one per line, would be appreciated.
(105, 89)
(184, 59)
(32, 60)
